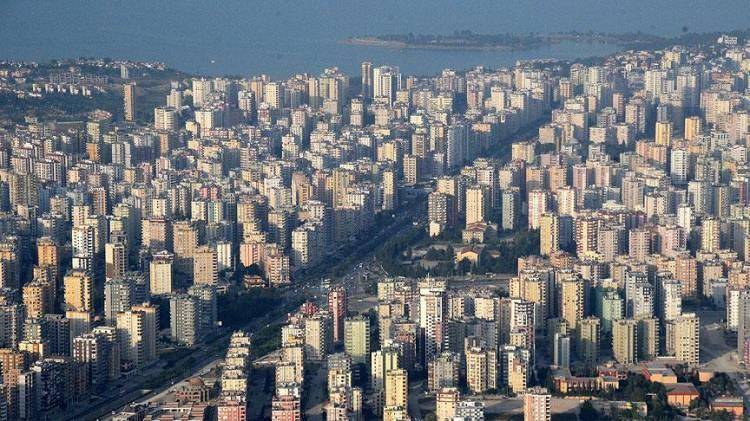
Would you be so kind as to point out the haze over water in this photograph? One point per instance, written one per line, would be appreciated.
(280, 38)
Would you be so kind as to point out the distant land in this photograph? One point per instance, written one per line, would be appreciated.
(468, 40)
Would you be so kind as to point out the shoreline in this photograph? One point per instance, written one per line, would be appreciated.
(460, 42)
(397, 45)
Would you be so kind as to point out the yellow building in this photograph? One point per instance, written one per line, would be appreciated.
(625, 341)
(663, 133)
(396, 388)
(686, 338)
(481, 369)
(79, 287)
(549, 235)
(571, 305)
(446, 401)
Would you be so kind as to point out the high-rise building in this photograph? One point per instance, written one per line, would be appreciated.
(367, 76)
(12, 364)
(561, 351)
(686, 338)
(119, 296)
(446, 401)
(357, 339)
(572, 301)
(670, 299)
(115, 259)
(663, 133)
(79, 290)
(185, 243)
(129, 94)
(37, 299)
(161, 273)
(432, 310)
(93, 351)
(625, 341)
(443, 371)
(205, 295)
(639, 296)
(481, 369)
(648, 338)
(337, 306)
(477, 204)
(511, 206)
(588, 341)
(381, 362)
(440, 209)
(549, 235)
(711, 235)
(692, 128)
(537, 404)
(183, 319)
(136, 331)
(396, 388)
(167, 119)
(538, 206)
(286, 408)
(205, 266)
(317, 333)
(390, 190)
(386, 82)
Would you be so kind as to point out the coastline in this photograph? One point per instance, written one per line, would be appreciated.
(623, 41)
(399, 45)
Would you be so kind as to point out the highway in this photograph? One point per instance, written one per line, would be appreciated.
(127, 391)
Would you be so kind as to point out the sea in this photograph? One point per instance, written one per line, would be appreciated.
(284, 37)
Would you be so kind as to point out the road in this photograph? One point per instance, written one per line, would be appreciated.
(133, 391)
(207, 358)
(717, 355)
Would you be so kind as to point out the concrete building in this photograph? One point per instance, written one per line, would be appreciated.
(537, 404)
(625, 340)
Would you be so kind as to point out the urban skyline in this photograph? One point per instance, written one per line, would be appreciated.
(557, 239)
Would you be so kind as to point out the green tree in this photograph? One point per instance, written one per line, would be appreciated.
(587, 412)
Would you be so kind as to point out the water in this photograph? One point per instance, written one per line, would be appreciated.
(282, 37)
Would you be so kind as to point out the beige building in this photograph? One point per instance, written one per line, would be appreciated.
(477, 204)
(357, 339)
(317, 336)
(648, 338)
(692, 127)
(663, 133)
(390, 190)
(136, 331)
(625, 341)
(571, 304)
(161, 273)
(395, 413)
(79, 287)
(381, 362)
(481, 369)
(686, 338)
(205, 266)
(549, 235)
(129, 95)
(37, 299)
(537, 405)
(48, 254)
(711, 235)
(115, 260)
(396, 388)
(446, 401)
(588, 341)
(185, 243)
